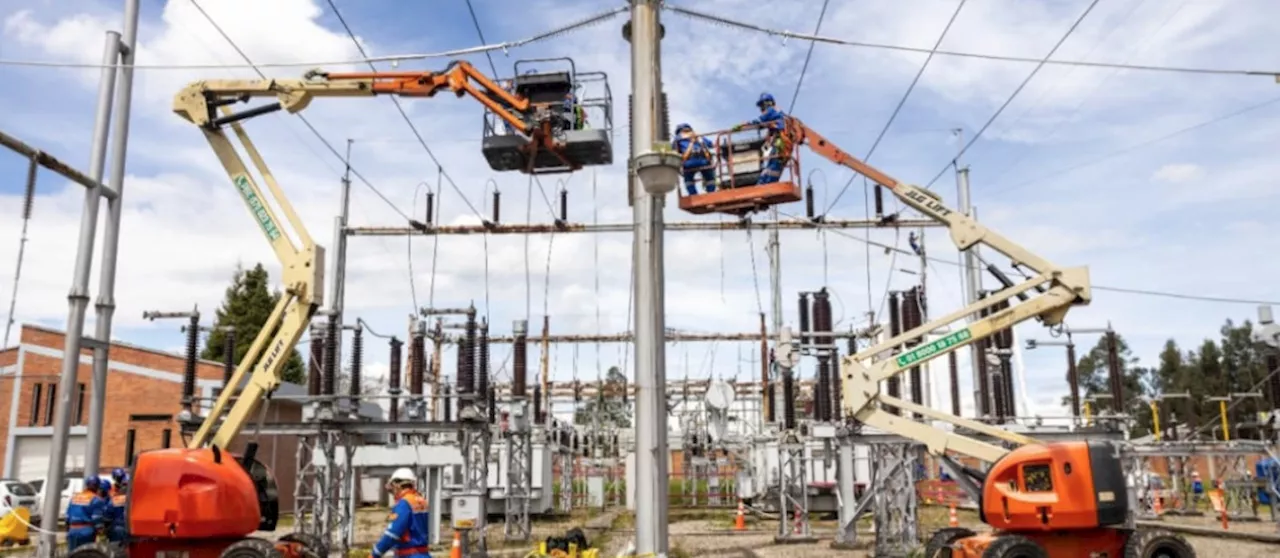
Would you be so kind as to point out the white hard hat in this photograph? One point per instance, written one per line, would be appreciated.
(403, 474)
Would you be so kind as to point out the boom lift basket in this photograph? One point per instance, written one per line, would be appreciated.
(739, 161)
(568, 123)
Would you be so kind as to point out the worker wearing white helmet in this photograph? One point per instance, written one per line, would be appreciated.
(408, 533)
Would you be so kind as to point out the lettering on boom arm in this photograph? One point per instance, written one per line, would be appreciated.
(933, 347)
(256, 206)
(928, 202)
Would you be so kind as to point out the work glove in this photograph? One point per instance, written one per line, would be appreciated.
(736, 128)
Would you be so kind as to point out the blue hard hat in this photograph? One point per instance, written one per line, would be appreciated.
(92, 483)
(106, 485)
(765, 98)
(120, 475)
(682, 127)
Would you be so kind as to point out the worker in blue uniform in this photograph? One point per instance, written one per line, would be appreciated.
(696, 153)
(409, 529)
(777, 147)
(85, 514)
(117, 528)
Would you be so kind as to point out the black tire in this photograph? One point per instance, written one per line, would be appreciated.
(1157, 543)
(939, 545)
(252, 548)
(97, 550)
(312, 545)
(1014, 546)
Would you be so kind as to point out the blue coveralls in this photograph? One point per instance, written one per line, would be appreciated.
(85, 514)
(117, 529)
(408, 532)
(774, 121)
(696, 153)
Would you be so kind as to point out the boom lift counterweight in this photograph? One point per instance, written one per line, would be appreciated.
(1045, 500)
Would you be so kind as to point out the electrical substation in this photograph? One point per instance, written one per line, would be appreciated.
(849, 438)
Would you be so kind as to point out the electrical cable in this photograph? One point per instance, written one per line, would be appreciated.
(435, 245)
(487, 54)
(843, 42)
(1014, 95)
(413, 287)
(808, 56)
(755, 276)
(404, 115)
(903, 101)
(301, 117)
(397, 58)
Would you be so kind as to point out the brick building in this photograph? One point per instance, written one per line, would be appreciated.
(144, 392)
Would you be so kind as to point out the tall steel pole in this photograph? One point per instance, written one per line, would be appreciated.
(78, 298)
(969, 274)
(106, 305)
(657, 171)
(338, 285)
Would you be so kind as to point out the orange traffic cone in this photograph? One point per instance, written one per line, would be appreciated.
(1155, 500)
(740, 523)
(456, 551)
(952, 520)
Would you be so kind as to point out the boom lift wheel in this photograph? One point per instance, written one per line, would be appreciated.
(1014, 546)
(252, 548)
(98, 550)
(939, 545)
(1157, 543)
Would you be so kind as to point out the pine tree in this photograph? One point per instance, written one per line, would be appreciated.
(1136, 381)
(246, 306)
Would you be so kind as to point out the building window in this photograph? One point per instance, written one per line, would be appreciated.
(164, 438)
(150, 418)
(79, 403)
(35, 404)
(50, 403)
(129, 438)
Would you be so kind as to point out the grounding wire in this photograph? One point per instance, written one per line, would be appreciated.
(958, 54)
(396, 58)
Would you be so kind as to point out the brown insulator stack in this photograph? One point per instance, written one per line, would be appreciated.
(1114, 372)
(482, 361)
(770, 393)
(417, 362)
(1273, 384)
(314, 363)
(357, 365)
(804, 320)
(228, 355)
(788, 400)
(466, 362)
(329, 376)
(913, 317)
(953, 374)
(491, 404)
(822, 327)
(446, 393)
(497, 205)
(894, 385)
(393, 379)
(1073, 378)
(537, 404)
(1003, 341)
(980, 346)
(520, 359)
(189, 368)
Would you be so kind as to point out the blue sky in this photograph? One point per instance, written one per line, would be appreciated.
(1058, 171)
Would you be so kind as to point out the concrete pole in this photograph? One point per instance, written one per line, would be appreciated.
(846, 529)
(971, 279)
(78, 298)
(651, 429)
(106, 305)
(338, 285)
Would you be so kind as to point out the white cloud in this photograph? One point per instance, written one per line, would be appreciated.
(1178, 173)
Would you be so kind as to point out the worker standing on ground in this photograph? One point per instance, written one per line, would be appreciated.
(408, 532)
(85, 514)
(777, 147)
(696, 153)
(117, 529)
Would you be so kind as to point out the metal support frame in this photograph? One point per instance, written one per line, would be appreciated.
(475, 482)
(793, 491)
(564, 463)
(563, 228)
(324, 493)
(894, 498)
(519, 468)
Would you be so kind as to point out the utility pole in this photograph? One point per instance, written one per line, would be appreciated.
(969, 276)
(657, 169)
(338, 287)
(118, 49)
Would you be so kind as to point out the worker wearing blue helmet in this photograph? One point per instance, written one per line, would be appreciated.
(777, 148)
(696, 153)
(117, 501)
(85, 514)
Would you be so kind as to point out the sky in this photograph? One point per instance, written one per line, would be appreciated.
(1154, 180)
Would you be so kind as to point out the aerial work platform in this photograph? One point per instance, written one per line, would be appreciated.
(740, 158)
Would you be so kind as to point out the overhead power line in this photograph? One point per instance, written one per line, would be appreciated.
(301, 117)
(455, 53)
(807, 57)
(1015, 93)
(959, 54)
(487, 54)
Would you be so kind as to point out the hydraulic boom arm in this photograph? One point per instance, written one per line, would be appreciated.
(1047, 294)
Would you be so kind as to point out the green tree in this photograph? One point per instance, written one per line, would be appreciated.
(1137, 382)
(246, 306)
